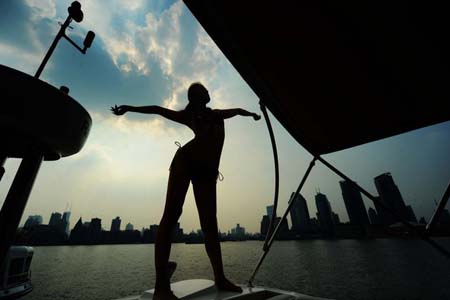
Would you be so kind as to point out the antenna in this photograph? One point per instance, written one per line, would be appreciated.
(75, 14)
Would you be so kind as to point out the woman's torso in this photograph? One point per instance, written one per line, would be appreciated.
(206, 147)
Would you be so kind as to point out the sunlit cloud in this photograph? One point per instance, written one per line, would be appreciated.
(42, 8)
(20, 58)
(159, 40)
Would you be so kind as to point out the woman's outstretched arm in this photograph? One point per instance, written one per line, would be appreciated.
(173, 115)
(229, 113)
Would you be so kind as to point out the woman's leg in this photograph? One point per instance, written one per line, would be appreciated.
(176, 192)
(205, 198)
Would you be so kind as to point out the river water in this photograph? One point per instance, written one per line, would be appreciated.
(340, 269)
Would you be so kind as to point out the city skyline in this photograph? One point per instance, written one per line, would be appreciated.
(148, 54)
(300, 220)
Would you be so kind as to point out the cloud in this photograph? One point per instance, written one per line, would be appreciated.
(42, 8)
(154, 126)
(170, 39)
(17, 57)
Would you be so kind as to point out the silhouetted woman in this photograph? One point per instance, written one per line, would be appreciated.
(196, 162)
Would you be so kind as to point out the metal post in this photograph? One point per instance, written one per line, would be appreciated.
(15, 201)
(391, 211)
(277, 228)
(437, 213)
(60, 34)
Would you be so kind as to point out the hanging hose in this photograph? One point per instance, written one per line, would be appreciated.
(277, 174)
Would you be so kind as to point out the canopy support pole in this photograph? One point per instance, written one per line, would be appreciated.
(438, 212)
(277, 228)
(390, 210)
(277, 173)
(16, 200)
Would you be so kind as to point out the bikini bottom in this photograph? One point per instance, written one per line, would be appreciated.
(198, 171)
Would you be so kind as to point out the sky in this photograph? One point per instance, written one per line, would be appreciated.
(148, 52)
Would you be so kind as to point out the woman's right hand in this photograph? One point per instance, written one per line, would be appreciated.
(119, 110)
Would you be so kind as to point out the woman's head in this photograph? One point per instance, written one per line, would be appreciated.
(198, 94)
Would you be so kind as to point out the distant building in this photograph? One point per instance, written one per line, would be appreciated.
(33, 221)
(55, 219)
(79, 233)
(66, 222)
(411, 215)
(283, 231)
(324, 215)
(354, 204)
(131, 227)
(95, 231)
(300, 218)
(177, 235)
(336, 219)
(445, 217)
(269, 210)
(149, 235)
(238, 232)
(264, 225)
(115, 224)
(315, 225)
(373, 216)
(154, 228)
(390, 196)
(60, 223)
(384, 217)
(45, 235)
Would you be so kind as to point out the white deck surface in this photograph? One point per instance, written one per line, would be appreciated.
(202, 289)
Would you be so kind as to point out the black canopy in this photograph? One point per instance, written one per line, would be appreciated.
(337, 74)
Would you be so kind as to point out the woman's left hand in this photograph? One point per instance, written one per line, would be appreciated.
(119, 110)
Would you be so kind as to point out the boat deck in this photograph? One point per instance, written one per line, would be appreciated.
(202, 289)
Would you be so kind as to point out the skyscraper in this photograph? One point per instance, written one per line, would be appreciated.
(335, 218)
(300, 215)
(130, 227)
(264, 225)
(411, 214)
(373, 216)
(66, 222)
(115, 224)
(283, 231)
(383, 216)
(238, 231)
(269, 210)
(55, 219)
(95, 230)
(354, 204)
(445, 217)
(33, 221)
(324, 214)
(390, 196)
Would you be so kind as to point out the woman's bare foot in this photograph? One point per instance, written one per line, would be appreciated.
(164, 295)
(226, 285)
(171, 266)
